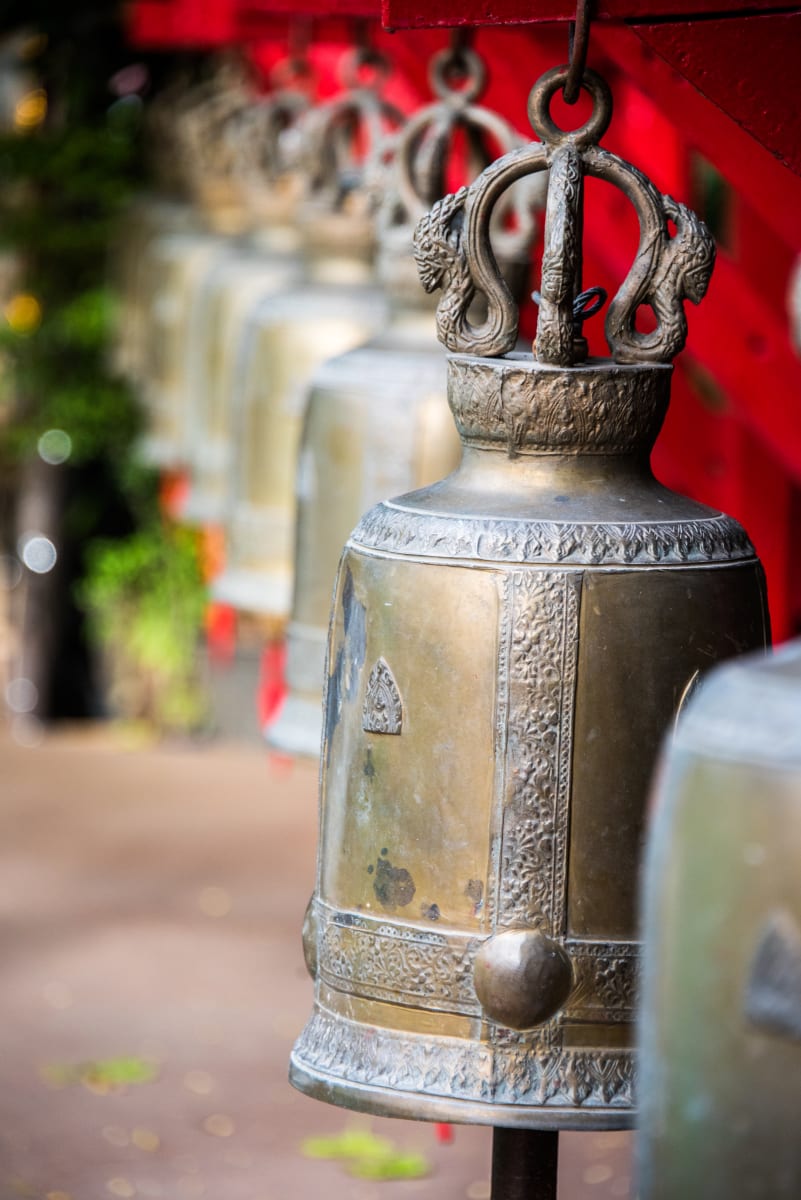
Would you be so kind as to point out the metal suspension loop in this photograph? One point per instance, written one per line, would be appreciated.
(578, 43)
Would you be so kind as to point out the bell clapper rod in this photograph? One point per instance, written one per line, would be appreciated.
(524, 1164)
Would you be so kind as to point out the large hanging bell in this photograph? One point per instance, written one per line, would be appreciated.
(506, 649)
(377, 420)
(291, 333)
(721, 1008)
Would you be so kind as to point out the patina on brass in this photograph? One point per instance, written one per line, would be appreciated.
(290, 334)
(506, 649)
(720, 1034)
(377, 421)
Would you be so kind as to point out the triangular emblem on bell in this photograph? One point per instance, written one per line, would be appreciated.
(541, 612)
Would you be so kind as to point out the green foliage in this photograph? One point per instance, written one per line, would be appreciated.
(108, 1074)
(62, 384)
(146, 598)
(393, 1166)
(63, 186)
(352, 1144)
(366, 1156)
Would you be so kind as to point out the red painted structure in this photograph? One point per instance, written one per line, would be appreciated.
(709, 109)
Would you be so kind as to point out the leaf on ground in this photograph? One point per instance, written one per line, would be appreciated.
(390, 1166)
(353, 1143)
(101, 1075)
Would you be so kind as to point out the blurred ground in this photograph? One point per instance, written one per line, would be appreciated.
(149, 910)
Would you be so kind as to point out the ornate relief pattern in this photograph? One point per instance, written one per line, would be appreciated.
(606, 986)
(428, 969)
(541, 689)
(516, 1072)
(383, 710)
(613, 410)
(401, 530)
(382, 960)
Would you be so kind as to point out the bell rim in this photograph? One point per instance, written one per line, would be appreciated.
(386, 1102)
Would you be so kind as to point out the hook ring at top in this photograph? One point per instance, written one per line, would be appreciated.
(357, 60)
(578, 43)
(543, 124)
(470, 66)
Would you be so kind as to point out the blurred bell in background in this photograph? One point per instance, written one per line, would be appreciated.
(377, 420)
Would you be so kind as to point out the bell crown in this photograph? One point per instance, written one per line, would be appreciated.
(453, 250)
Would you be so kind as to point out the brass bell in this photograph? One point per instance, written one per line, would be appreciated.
(291, 333)
(176, 264)
(147, 217)
(230, 297)
(506, 648)
(377, 420)
(720, 1033)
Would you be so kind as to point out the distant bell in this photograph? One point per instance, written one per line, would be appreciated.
(269, 262)
(377, 421)
(507, 648)
(290, 333)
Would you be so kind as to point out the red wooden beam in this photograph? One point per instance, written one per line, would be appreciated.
(770, 190)
(410, 14)
(749, 68)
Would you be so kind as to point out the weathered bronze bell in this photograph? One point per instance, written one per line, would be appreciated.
(292, 333)
(230, 299)
(218, 129)
(377, 421)
(720, 1030)
(176, 266)
(147, 218)
(506, 649)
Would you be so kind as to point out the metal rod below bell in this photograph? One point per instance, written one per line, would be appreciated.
(524, 1164)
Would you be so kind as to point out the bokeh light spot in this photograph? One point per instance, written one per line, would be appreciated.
(199, 1082)
(120, 1187)
(214, 902)
(31, 109)
(219, 1125)
(37, 552)
(55, 446)
(146, 1139)
(22, 695)
(23, 313)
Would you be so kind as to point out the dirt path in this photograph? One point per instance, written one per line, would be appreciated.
(149, 912)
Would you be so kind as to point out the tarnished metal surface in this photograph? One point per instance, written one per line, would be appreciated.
(534, 687)
(721, 1025)
(506, 650)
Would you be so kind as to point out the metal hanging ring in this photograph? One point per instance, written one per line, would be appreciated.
(464, 63)
(545, 127)
(578, 44)
(358, 62)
